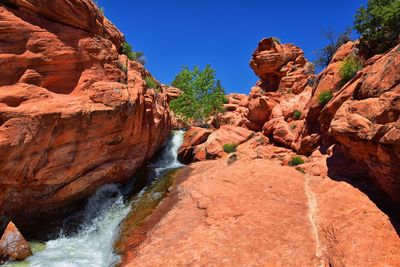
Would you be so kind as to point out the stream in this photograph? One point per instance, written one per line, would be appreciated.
(92, 244)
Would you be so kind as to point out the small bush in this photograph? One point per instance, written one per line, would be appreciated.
(276, 40)
(325, 97)
(151, 83)
(297, 114)
(296, 161)
(133, 55)
(293, 126)
(349, 68)
(229, 148)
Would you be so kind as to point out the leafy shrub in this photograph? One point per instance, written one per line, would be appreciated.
(276, 40)
(229, 148)
(133, 55)
(293, 126)
(151, 83)
(324, 97)
(296, 161)
(325, 55)
(379, 25)
(349, 68)
(297, 114)
(202, 96)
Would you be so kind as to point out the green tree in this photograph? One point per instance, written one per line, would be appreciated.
(379, 25)
(133, 55)
(202, 95)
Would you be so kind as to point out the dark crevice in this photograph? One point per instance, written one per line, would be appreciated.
(343, 169)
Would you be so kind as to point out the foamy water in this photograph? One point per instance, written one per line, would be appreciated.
(92, 246)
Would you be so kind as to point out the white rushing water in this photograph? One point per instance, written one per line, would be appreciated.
(92, 246)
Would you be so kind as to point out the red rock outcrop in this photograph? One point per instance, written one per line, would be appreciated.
(280, 67)
(367, 123)
(328, 80)
(193, 137)
(74, 114)
(201, 144)
(259, 213)
(13, 246)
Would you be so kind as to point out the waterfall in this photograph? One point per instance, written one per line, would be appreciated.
(92, 246)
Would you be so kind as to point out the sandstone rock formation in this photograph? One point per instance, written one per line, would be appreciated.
(367, 122)
(13, 246)
(280, 67)
(193, 137)
(259, 213)
(200, 144)
(74, 113)
(328, 80)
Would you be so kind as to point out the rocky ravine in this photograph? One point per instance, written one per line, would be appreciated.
(256, 212)
(74, 113)
(251, 209)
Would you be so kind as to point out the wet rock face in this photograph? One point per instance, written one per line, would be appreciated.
(13, 246)
(367, 125)
(74, 114)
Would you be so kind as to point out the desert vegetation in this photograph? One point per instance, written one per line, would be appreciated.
(202, 95)
(133, 55)
(229, 148)
(349, 68)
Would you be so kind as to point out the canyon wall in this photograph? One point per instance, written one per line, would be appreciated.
(360, 120)
(75, 114)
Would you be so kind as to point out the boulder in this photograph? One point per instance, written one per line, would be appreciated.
(193, 137)
(13, 246)
(213, 147)
(259, 111)
(280, 67)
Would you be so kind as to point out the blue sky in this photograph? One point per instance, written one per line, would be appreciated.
(223, 33)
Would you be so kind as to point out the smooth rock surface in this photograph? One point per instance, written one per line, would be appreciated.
(259, 213)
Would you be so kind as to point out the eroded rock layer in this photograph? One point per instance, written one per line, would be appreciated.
(74, 113)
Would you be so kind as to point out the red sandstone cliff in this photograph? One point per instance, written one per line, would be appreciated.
(362, 118)
(74, 113)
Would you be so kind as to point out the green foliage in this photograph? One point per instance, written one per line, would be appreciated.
(297, 114)
(325, 55)
(324, 97)
(151, 83)
(229, 148)
(277, 40)
(349, 68)
(202, 96)
(133, 55)
(296, 160)
(379, 25)
(293, 126)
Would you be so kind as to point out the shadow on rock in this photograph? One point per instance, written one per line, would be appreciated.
(342, 168)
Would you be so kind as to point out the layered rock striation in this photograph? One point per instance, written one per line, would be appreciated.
(74, 113)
